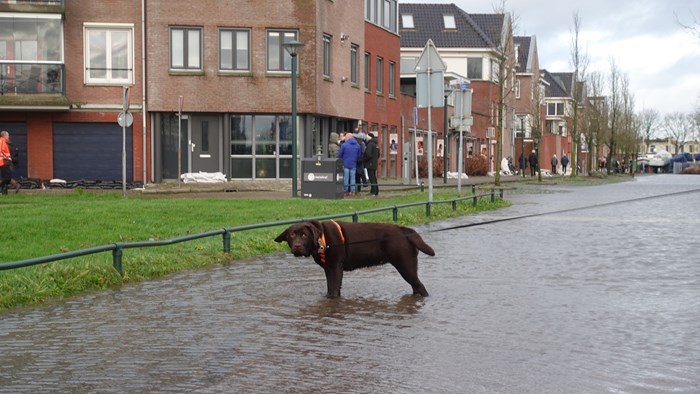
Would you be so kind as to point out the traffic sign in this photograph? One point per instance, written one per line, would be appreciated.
(125, 119)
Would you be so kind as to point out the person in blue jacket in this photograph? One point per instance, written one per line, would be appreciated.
(350, 152)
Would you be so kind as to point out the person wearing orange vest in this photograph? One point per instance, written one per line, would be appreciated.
(5, 162)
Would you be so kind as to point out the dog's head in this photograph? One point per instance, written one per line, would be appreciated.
(302, 238)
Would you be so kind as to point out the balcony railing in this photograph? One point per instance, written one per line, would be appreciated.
(32, 78)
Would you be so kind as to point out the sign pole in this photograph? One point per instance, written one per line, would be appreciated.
(125, 107)
(179, 139)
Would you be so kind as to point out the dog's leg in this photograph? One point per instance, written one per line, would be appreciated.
(334, 280)
(410, 275)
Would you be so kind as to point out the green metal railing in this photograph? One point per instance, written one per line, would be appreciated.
(118, 248)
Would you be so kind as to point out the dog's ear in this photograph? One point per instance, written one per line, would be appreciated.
(316, 229)
(283, 237)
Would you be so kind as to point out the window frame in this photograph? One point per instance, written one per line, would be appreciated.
(407, 21)
(185, 48)
(234, 49)
(449, 22)
(354, 49)
(327, 55)
(379, 75)
(109, 29)
(368, 79)
(284, 57)
(480, 67)
(558, 109)
(392, 79)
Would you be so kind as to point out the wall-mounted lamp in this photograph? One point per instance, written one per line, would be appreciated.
(344, 37)
(343, 79)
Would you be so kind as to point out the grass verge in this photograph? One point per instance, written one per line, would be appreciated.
(42, 225)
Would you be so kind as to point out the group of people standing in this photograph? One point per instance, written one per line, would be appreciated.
(360, 153)
(533, 160)
(8, 158)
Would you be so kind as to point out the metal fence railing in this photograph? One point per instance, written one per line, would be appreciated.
(118, 248)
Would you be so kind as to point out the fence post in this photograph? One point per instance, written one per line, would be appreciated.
(500, 194)
(473, 188)
(355, 217)
(454, 205)
(474, 200)
(395, 213)
(493, 195)
(117, 258)
(227, 241)
(427, 209)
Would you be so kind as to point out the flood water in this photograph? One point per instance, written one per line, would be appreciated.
(603, 299)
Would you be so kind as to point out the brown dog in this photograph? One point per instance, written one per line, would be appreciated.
(342, 246)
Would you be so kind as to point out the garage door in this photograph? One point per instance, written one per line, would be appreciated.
(90, 151)
(18, 138)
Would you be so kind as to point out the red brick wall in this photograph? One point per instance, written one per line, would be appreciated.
(257, 91)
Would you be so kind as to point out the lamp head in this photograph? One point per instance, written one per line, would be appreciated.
(292, 47)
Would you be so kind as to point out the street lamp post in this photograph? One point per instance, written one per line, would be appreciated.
(292, 47)
(522, 146)
(448, 92)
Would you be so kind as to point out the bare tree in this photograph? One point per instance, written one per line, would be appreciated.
(579, 61)
(630, 138)
(614, 110)
(693, 26)
(505, 56)
(678, 127)
(648, 122)
(595, 117)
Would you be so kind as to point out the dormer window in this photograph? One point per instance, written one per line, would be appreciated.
(407, 21)
(449, 21)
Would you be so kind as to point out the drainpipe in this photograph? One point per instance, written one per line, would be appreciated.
(143, 87)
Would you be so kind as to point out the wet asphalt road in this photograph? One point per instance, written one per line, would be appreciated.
(579, 292)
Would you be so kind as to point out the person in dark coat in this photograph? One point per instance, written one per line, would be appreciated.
(554, 163)
(370, 159)
(523, 163)
(360, 178)
(532, 158)
(564, 163)
(350, 152)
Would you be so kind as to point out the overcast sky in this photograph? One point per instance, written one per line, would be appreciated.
(660, 57)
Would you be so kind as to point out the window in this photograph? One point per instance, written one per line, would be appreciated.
(204, 143)
(516, 87)
(277, 58)
(386, 22)
(407, 21)
(449, 21)
(367, 73)
(353, 64)
(382, 13)
(380, 75)
(31, 37)
(474, 68)
(392, 78)
(234, 49)
(185, 48)
(109, 54)
(326, 56)
(555, 109)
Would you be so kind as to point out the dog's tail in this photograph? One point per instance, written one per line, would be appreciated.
(418, 242)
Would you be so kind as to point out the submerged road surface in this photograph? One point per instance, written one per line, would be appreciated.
(602, 299)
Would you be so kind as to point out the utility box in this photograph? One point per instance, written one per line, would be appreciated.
(322, 178)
